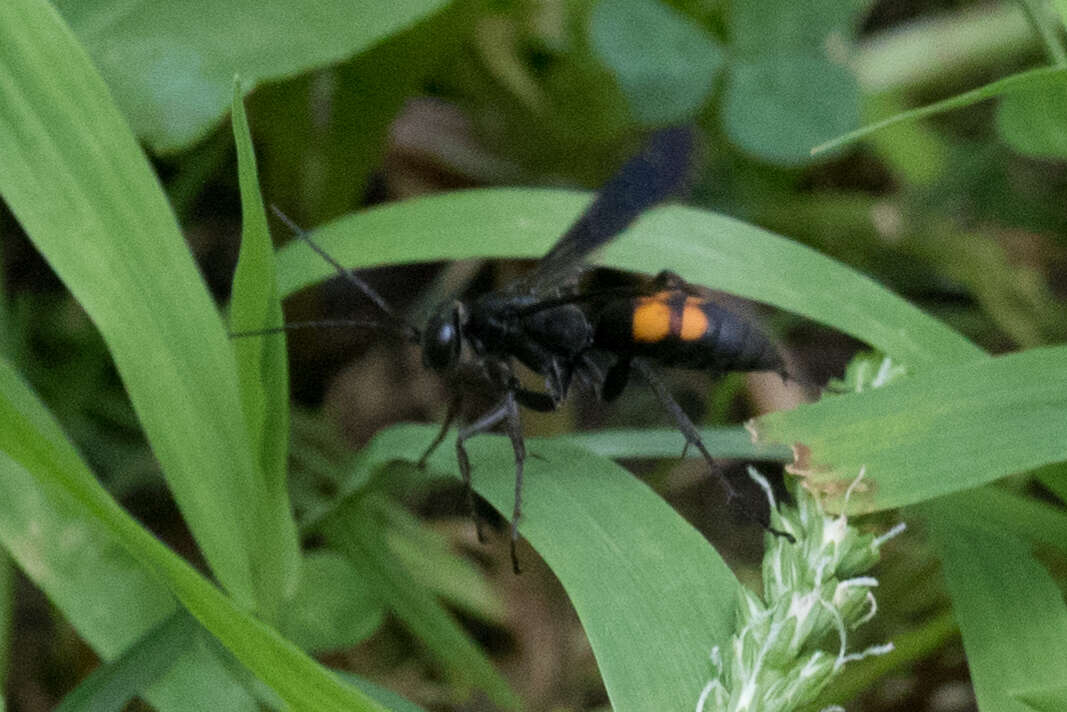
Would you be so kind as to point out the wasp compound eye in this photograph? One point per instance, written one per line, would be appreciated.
(441, 341)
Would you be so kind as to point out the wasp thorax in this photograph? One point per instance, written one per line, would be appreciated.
(442, 339)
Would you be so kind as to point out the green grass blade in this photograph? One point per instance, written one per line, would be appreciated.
(703, 247)
(728, 442)
(652, 594)
(105, 594)
(263, 372)
(170, 65)
(1023, 81)
(112, 685)
(1010, 611)
(358, 530)
(78, 183)
(41, 473)
(917, 438)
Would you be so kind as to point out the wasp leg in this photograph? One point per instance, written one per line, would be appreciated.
(507, 411)
(450, 415)
(692, 438)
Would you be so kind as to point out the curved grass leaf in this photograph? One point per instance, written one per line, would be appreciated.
(703, 247)
(47, 483)
(727, 443)
(105, 594)
(359, 529)
(170, 64)
(1009, 609)
(112, 685)
(652, 594)
(1033, 79)
(78, 183)
(263, 369)
(941, 431)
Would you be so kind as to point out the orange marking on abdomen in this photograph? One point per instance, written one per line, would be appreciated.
(694, 320)
(651, 320)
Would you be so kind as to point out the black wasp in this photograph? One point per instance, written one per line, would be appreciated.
(547, 322)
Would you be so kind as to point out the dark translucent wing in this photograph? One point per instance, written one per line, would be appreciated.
(650, 177)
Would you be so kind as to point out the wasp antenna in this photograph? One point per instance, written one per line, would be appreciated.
(410, 329)
(322, 324)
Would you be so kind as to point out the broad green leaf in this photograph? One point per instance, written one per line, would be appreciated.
(334, 608)
(653, 596)
(776, 107)
(170, 64)
(664, 62)
(358, 528)
(112, 685)
(1032, 80)
(703, 247)
(263, 369)
(102, 568)
(82, 189)
(1011, 613)
(1032, 122)
(915, 439)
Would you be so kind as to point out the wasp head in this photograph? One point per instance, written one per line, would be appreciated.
(442, 340)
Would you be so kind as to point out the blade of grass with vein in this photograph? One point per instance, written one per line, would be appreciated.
(1023, 81)
(1009, 609)
(358, 528)
(727, 443)
(41, 472)
(262, 365)
(703, 247)
(78, 183)
(918, 438)
(115, 683)
(652, 594)
(107, 596)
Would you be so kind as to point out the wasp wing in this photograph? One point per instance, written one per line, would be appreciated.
(650, 177)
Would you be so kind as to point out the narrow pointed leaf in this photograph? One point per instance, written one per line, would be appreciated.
(263, 372)
(78, 183)
(916, 439)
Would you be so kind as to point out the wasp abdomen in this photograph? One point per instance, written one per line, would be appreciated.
(680, 330)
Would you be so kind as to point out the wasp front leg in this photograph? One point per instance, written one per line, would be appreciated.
(506, 412)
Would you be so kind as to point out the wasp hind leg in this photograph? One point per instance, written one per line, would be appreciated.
(692, 439)
(506, 412)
